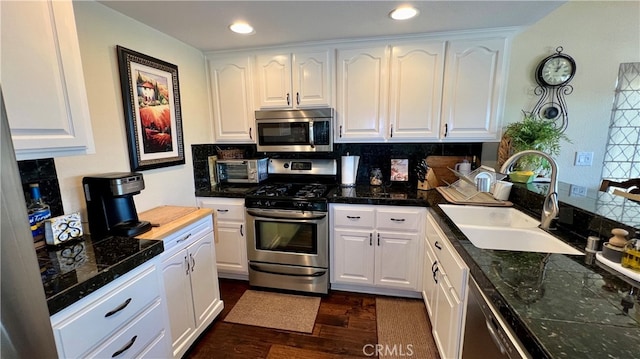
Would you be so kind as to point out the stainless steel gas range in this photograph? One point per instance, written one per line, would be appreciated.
(288, 226)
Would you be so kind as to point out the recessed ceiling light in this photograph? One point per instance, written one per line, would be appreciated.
(241, 28)
(403, 13)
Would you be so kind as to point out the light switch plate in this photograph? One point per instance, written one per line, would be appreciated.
(584, 159)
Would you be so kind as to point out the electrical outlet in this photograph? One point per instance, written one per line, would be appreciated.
(584, 159)
(577, 191)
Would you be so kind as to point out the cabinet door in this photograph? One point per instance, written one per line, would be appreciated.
(274, 80)
(397, 260)
(312, 74)
(362, 90)
(177, 285)
(473, 89)
(232, 99)
(353, 256)
(447, 328)
(416, 91)
(42, 80)
(204, 278)
(231, 248)
(429, 277)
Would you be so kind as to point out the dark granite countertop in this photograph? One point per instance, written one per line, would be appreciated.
(73, 271)
(226, 190)
(559, 306)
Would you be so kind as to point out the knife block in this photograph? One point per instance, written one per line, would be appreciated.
(430, 181)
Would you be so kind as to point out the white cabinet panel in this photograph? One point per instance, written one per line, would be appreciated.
(473, 88)
(295, 80)
(362, 89)
(397, 259)
(178, 293)
(353, 260)
(44, 90)
(416, 90)
(231, 84)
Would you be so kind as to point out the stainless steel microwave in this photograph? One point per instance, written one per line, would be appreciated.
(242, 171)
(309, 130)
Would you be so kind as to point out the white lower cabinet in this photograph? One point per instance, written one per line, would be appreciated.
(231, 243)
(444, 290)
(191, 283)
(124, 319)
(377, 246)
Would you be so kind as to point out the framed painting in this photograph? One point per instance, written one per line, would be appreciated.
(151, 98)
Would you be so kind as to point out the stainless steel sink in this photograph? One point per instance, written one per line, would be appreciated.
(505, 228)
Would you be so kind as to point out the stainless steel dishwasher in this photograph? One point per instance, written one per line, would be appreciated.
(486, 335)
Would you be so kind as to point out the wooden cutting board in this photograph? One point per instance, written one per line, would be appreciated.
(441, 165)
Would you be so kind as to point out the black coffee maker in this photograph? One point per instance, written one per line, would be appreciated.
(110, 205)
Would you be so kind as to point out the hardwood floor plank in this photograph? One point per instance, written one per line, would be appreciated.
(345, 323)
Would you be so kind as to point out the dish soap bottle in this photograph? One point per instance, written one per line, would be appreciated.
(631, 256)
(38, 212)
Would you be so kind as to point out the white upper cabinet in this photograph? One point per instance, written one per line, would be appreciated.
(231, 83)
(362, 93)
(474, 88)
(416, 91)
(301, 79)
(42, 80)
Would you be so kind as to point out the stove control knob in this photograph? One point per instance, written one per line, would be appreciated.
(258, 203)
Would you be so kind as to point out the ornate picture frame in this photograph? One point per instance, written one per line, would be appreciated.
(151, 99)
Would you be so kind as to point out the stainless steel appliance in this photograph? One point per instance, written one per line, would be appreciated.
(486, 334)
(26, 332)
(242, 171)
(288, 226)
(295, 130)
(110, 205)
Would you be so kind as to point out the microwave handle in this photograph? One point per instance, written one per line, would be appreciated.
(311, 139)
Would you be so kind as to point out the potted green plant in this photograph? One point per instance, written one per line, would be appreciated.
(532, 133)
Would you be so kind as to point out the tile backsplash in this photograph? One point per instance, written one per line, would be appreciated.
(371, 156)
(43, 172)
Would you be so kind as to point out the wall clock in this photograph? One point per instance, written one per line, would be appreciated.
(553, 75)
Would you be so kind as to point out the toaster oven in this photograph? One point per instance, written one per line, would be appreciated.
(242, 170)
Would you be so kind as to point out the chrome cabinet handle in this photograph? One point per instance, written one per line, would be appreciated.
(118, 308)
(222, 210)
(298, 98)
(378, 239)
(288, 101)
(250, 136)
(446, 129)
(353, 217)
(125, 347)
(370, 239)
(435, 272)
(183, 238)
(391, 130)
(397, 219)
(437, 245)
(241, 234)
(186, 261)
(340, 131)
(193, 262)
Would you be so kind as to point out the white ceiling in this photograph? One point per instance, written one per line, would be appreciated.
(204, 24)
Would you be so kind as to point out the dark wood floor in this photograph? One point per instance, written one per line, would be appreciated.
(345, 323)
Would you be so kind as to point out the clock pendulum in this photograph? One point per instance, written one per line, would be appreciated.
(553, 75)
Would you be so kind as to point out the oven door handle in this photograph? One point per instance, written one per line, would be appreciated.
(317, 273)
(271, 214)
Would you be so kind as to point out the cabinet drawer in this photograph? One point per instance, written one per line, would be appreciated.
(135, 337)
(189, 233)
(452, 266)
(226, 209)
(86, 327)
(353, 217)
(400, 219)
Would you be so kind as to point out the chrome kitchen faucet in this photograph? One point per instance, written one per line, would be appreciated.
(550, 207)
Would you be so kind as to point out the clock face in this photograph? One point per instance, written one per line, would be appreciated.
(556, 70)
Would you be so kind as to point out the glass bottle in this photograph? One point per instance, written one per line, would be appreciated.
(631, 255)
(38, 212)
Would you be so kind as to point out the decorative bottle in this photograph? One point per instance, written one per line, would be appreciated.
(631, 256)
(38, 212)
